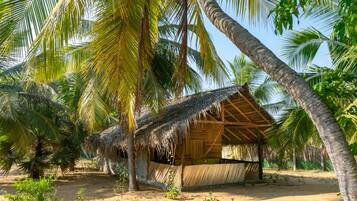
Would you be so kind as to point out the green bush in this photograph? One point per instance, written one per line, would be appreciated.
(121, 171)
(33, 190)
(172, 192)
(122, 174)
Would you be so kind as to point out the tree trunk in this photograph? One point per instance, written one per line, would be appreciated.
(133, 185)
(36, 169)
(322, 157)
(72, 165)
(330, 133)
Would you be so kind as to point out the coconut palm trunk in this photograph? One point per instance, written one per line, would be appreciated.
(133, 185)
(329, 131)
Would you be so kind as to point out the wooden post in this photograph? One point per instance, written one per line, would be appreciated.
(260, 156)
(183, 161)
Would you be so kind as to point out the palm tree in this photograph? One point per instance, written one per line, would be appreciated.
(331, 134)
(294, 129)
(32, 124)
(300, 49)
(262, 87)
(123, 38)
(329, 131)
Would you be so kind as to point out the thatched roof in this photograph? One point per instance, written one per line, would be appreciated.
(170, 126)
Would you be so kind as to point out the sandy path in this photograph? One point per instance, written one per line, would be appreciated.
(285, 185)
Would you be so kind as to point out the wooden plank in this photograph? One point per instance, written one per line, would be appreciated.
(231, 132)
(240, 111)
(243, 124)
(218, 135)
(245, 135)
(254, 107)
(209, 114)
(226, 137)
(232, 115)
(250, 131)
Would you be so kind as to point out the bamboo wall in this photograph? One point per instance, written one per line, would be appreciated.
(213, 174)
(202, 175)
(202, 142)
(163, 173)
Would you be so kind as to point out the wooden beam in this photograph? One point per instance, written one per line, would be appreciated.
(220, 133)
(242, 124)
(255, 135)
(231, 132)
(222, 111)
(254, 108)
(226, 137)
(243, 134)
(209, 114)
(240, 111)
(232, 115)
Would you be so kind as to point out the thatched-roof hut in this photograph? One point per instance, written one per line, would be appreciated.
(187, 137)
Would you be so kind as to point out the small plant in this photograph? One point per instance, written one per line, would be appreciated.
(122, 174)
(211, 198)
(121, 171)
(33, 190)
(81, 195)
(172, 191)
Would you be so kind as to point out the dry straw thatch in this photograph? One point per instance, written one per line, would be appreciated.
(162, 131)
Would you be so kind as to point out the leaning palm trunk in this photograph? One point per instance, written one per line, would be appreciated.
(330, 133)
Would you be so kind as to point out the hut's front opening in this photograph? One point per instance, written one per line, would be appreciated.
(198, 160)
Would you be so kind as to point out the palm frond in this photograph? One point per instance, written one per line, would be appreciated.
(21, 21)
(301, 47)
(62, 25)
(255, 11)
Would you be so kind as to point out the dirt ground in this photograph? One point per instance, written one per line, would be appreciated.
(301, 185)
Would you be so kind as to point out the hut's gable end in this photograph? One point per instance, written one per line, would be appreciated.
(202, 142)
(245, 121)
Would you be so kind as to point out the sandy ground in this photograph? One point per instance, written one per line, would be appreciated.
(283, 185)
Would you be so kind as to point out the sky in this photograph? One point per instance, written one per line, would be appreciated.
(227, 50)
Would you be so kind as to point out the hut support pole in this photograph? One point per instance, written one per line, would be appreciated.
(260, 158)
(182, 163)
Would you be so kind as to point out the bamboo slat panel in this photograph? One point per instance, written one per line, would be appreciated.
(251, 171)
(213, 174)
(161, 173)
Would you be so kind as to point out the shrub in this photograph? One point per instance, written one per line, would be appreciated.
(122, 174)
(172, 192)
(121, 171)
(33, 190)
